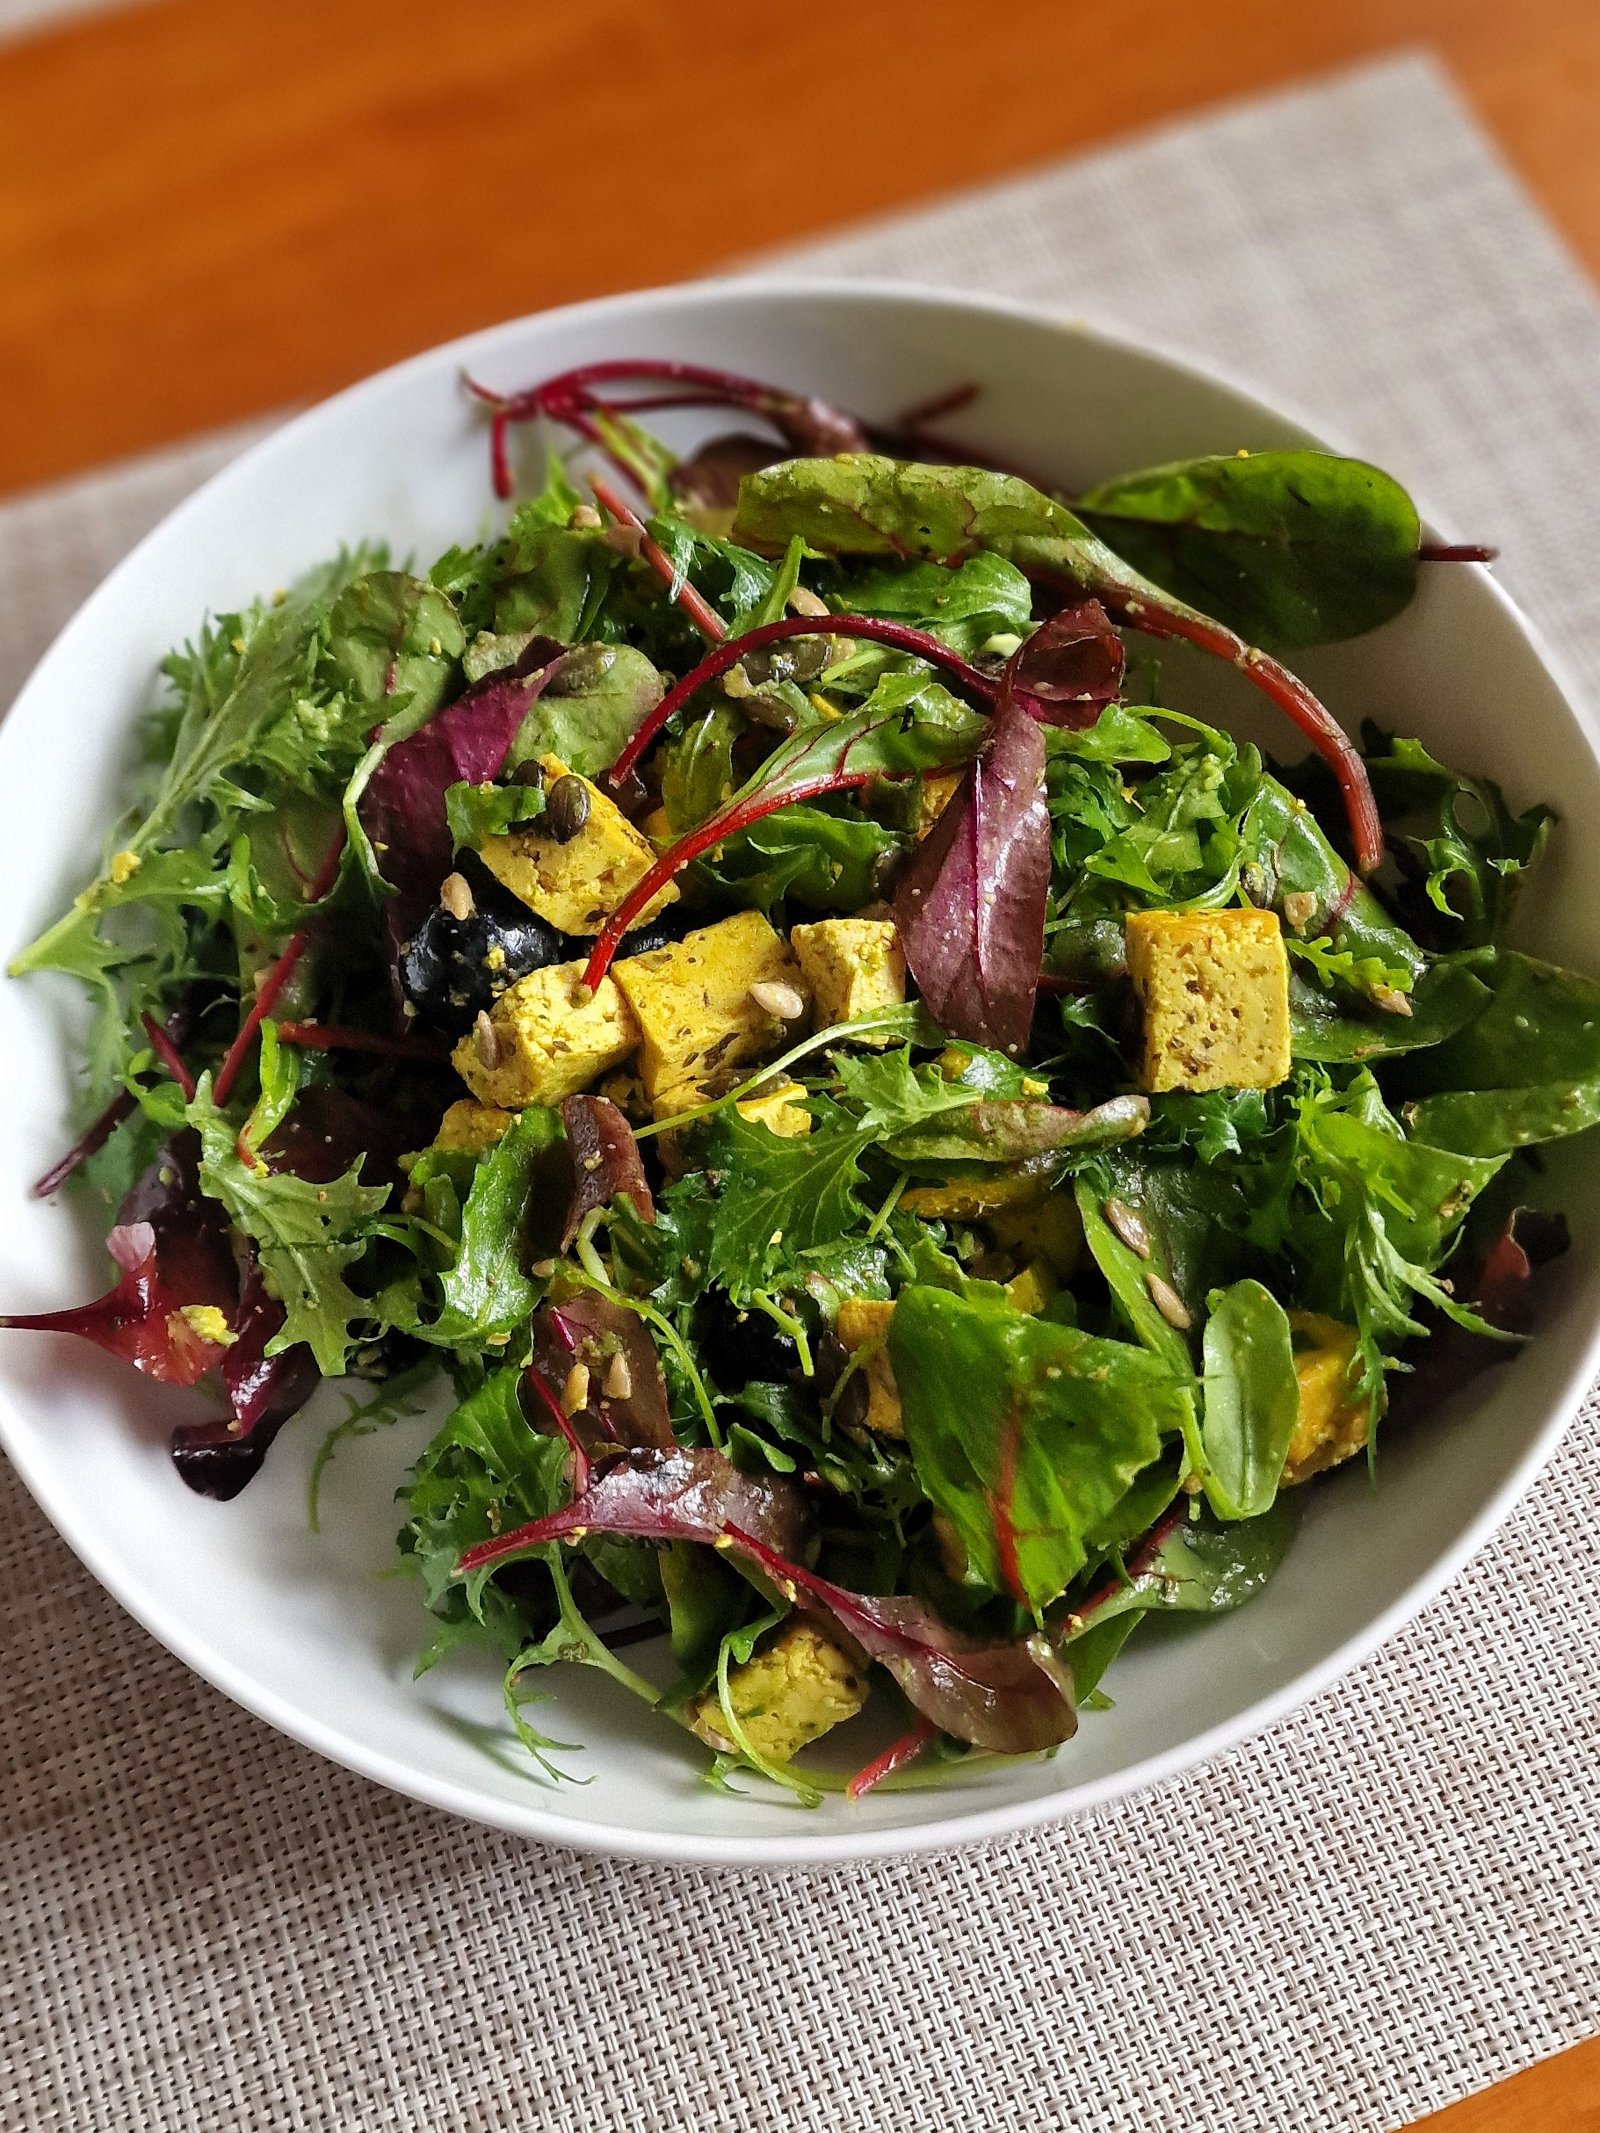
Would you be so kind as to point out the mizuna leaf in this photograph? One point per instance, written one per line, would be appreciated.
(970, 907)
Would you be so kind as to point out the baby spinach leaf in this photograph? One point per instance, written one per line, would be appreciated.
(1289, 548)
(1251, 1400)
(984, 597)
(1445, 999)
(1526, 1069)
(594, 703)
(1025, 1434)
(1200, 1568)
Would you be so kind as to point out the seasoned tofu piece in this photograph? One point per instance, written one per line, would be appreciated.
(778, 1110)
(854, 967)
(1214, 989)
(863, 1323)
(707, 1005)
(1050, 1230)
(786, 1694)
(546, 1037)
(938, 790)
(1333, 1413)
(468, 1127)
(1032, 1289)
(978, 1196)
(576, 886)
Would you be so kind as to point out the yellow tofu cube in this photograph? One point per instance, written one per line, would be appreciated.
(863, 1324)
(978, 1196)
(938, 790)
(549, 1038)
(576, 886)
(1214, 990)
(785, 1695)
(1051, 1232)
(468, 1127)
(697, 1018)
(854, 967)
(1032, 1289)
(778, 1110)
(1332, 1424)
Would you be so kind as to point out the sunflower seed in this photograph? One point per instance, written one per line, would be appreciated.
(780, 1001)
(455, 895)
(1167, 1301)
(1128, 1226)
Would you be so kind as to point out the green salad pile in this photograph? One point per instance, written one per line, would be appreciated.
(908, 1146)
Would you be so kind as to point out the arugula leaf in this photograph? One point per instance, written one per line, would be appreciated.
(1025, 1434)
(1468, 848)
(1252, 1399)
(1289, 548)
(778, 1198)
(487, 1291)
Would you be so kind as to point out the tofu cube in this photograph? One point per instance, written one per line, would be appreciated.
(696, 1016)
(938, 790)
(785, 1695)
(1214, 990)
(778, 1110)
(576, 886)
(863, 1324)
(468, 1127)
(854, 967)
(1332, 1424)
(550, 1037)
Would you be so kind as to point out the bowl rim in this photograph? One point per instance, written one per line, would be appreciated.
(785, 1847)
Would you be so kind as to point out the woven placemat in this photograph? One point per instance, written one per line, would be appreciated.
(1383, 1904)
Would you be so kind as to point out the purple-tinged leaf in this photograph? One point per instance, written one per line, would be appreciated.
(624, 1393)
(402, 809)
(605, 1161)
(1501, 1294)
(1012, 1698)
(1013, 1129)
(142, 1318)
(970, 907)
(1071, 667)
(680, 1495)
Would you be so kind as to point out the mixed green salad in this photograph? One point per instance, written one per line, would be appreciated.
(908, 1145)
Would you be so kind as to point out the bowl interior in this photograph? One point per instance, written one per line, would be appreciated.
(300, 1625)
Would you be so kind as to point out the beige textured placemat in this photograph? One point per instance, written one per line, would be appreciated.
(1386, 1903)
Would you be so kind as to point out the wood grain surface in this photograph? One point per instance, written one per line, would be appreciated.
(210, 208)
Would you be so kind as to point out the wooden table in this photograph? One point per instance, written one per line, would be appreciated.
(209, 209)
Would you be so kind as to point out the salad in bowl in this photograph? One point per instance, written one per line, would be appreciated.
(912, 1146)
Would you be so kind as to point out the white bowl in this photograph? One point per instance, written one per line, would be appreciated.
(302, 1628)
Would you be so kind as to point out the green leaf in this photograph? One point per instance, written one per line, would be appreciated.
(1466, 843)
(777, 1198)
(1025, 1434)
(823, 862)
(484, 1473)
(1204, 1569)
(1526, 1069)
(984, 597)
(477, 812)
(591, 708)
(1289, 548)
(555, 577)
(1445, 998)
(1251, 1402)
(307, 1235)
(488, 1291)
